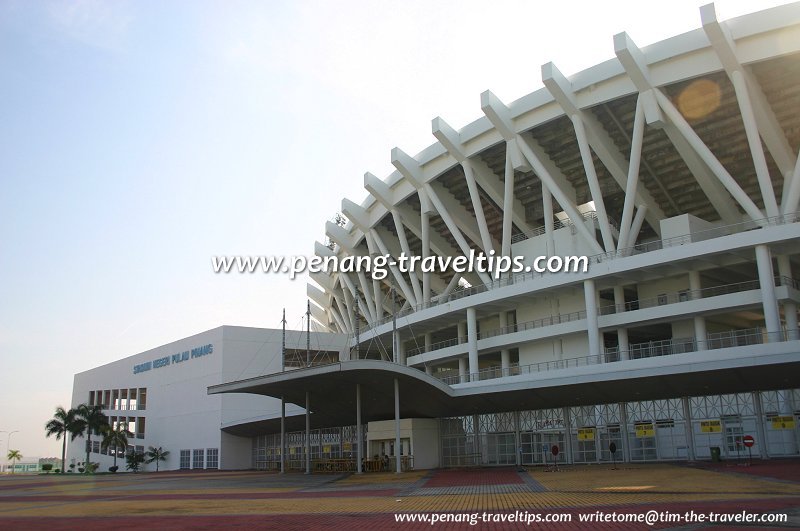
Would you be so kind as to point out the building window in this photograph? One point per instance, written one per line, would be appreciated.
(212, 458)
(132, 399)
(186, 457)
(198, 458)
(115, 400)
(95, 447)
(142, 398)
(123, 399)
(140, 426)
(662, 299)
(91, 398)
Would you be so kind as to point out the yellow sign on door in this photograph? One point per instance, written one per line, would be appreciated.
(710, 426)
(586, 434)
(644, 429)
(782, 423)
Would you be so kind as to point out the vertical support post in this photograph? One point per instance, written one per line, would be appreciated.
(359, 435)
(567, 434)
(622, 333)
(505, 354)
(283, 435)
(395, 346)
(357, 325)
(549, 219)
(789, 306)
(308, 333)
(398, 461)
(762, 433)
(517, 440)
(700, 334)
(308, 432)
(508, 202)
(462, 370)
(461, 331)
(689, 428)
(426, 252)
(472, 340)
(623, 426)
(590, 295)
(766, 281)
(428, 338)
(283, 342)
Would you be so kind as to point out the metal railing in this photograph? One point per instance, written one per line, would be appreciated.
(666, 347)
(637, 249)
(660, 300)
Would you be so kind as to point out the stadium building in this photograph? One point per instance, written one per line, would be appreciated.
(672, 167)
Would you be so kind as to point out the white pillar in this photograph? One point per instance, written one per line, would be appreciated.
(308, 432)
(623, 426)
(688, 427)
(767, 282)
(622, 333)
(472, 339)
(505, 354)
(700, 333)
(462, 370)
(567, 435)
(593, 331)
(401, 347)
(398, 463)
(461, 331)
(429, 369)
(789, 306)
(508, 202)
(359, 435)
(428, 341)
(762, 433)
(426, 252)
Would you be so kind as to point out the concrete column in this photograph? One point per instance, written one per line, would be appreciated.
(700, 333)
(283, 435)
(505, 354)
(761, 436)
(767, 282)
(428, 341)
(308, 432)
(462, 370)
(623, 426)
(687, 416)
(359, 435)
(462, 331)
(567, 434)
(789, 307)
(472, 339)
(426, 252)
(622, 333)
(429, 369)
(401, 347)
(590, 295)
(398, 462)
(517, 440)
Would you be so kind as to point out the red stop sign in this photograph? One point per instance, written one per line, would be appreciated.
(748, 440)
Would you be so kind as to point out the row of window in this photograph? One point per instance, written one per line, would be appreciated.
(134, 399)
(200, 458)
(135, 425)
(97, 449)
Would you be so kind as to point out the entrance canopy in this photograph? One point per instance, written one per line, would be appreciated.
(332, 387)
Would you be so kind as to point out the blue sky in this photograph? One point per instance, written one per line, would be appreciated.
(139, 138)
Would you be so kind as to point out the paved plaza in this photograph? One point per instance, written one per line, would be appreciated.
(259, 500)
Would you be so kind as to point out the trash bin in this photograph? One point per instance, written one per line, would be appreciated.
(715, 454)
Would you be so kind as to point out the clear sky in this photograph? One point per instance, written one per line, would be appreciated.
(139, 138)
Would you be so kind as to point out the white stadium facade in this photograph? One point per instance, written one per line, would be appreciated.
(673, 168)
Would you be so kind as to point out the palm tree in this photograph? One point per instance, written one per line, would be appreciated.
(14, 456)
(117, 437)
(92, 421)
(156, 454)
(63, 422)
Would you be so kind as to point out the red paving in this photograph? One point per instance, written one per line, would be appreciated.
(382, 520)
(474, 477)
(783, 469)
